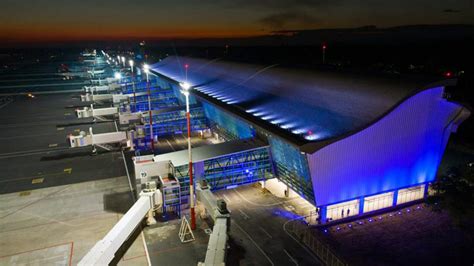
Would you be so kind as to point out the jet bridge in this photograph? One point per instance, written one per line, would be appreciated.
(92, 112)
(84, 139)
(101, 88)
(116, 98)
(104, 251)
(217, 209)
(147, 166)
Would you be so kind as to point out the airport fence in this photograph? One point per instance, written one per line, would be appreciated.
(302, 233)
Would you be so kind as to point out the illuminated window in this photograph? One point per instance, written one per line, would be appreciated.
(378, 202)
(410, 194)
(341, 210)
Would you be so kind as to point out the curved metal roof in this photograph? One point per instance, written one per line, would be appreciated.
(308, 108)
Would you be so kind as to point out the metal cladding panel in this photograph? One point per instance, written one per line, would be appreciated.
(304, 106)
(404, 148)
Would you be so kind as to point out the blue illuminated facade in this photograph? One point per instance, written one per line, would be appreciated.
(403, 149)
(332, 138)
(291, 167)
(236, 127)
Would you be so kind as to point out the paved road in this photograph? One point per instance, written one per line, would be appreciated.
(257, 234)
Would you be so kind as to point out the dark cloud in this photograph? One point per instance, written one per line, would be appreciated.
(451, 10)
(282, 20)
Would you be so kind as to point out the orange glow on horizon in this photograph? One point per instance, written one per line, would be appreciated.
(55, 33)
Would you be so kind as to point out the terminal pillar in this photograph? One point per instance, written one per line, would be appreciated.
(323, 214)
(395, 197)
(361, 204)
(199, 170)
(426, 190)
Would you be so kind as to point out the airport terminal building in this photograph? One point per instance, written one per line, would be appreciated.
(350, 144)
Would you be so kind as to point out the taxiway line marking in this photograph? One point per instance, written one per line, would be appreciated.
(65, 171)
(29, 153)
(262, 205)
(5, 104)
(291, 258)
(244, 214)
(167, 141)
(23, 80)
(263, 230)
(43, 85)
(253, 241)
(37, 180)
(34, 201)
(226, 198)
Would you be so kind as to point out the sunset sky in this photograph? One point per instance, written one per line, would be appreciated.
(40, 20)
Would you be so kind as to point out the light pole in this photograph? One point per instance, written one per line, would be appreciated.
(146, 69)
(185, 90)
(186, 69)
(133, 83)
(324, 47)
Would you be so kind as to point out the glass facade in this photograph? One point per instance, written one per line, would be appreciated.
(342, 210)
(378, 202)
(410, 194)
(236, 127)
(291, 167)
(240, 168)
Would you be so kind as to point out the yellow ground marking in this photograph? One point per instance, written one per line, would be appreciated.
(60, 128)
(25, 193)
(37, 180)
(77, 130)
(67, 113)
(53, 145)
(35, 177)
